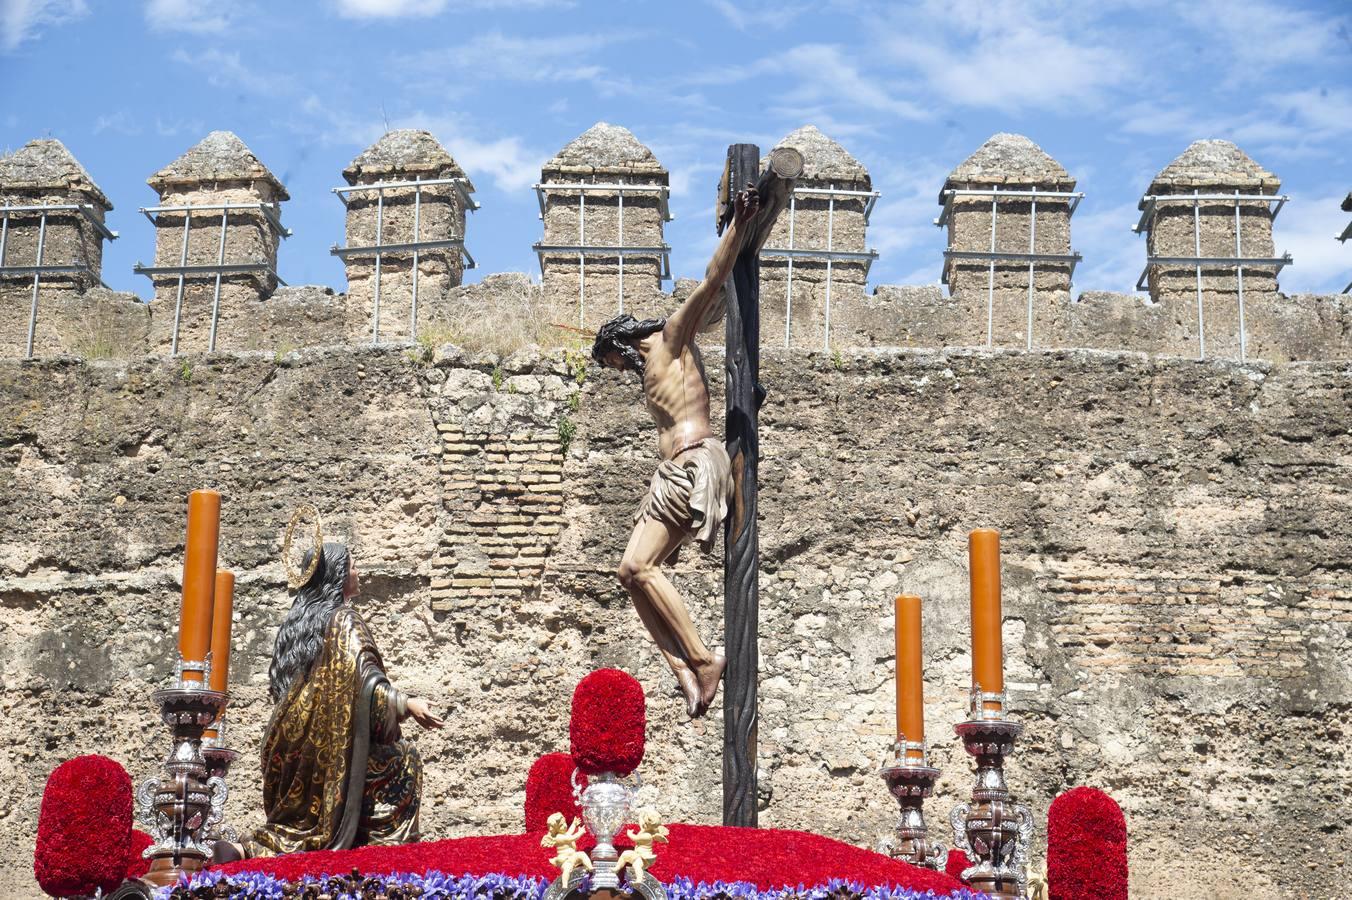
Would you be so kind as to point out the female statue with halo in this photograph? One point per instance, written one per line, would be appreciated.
(336, 770)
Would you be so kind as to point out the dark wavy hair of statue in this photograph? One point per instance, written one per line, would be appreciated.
(301, 634)
(615, 335)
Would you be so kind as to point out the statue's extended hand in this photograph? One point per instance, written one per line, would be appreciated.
(746, 205)
(422, 713)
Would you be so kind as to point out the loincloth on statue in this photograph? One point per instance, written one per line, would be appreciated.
(690, 492)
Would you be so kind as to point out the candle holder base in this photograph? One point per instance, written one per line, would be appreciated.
(179, 806)
(993, 831)
(911, 780)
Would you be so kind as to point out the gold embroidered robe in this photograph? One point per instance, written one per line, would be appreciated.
(336, 773)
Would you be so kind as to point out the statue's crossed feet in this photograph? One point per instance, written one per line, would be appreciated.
(707, 679)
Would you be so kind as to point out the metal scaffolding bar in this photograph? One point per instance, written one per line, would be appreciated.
(830, 255)
(84, 209)
(41, 267)
(380, 249)
(583, 249)
(1150, 202)
(418, 184)
(271, 213)
(1272, 204)
(1072, 197)
(37, 277)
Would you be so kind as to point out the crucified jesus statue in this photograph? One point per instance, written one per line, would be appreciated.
(688, 497)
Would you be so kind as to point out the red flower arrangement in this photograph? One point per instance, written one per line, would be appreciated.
(767, 858)
(549, 789)
(608, 723)
(84, 827)
(138, 865)
(957, 863)
(1086, 847)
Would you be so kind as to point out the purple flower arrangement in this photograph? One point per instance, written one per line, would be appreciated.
(438, 886)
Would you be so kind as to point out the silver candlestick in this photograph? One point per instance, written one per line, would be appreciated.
(911, 780)
(993, 831)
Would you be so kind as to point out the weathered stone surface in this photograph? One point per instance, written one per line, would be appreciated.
(44, 173)
(94, 324)
(605, 146)
(1009, 159)
(402, 216)
(220, 156)
(218, 170)
(1178, 602)
(984, 224)
(1214, 162)
(802, 297)
(46, 165)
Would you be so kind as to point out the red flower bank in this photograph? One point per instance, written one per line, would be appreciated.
(608, 723)
(84, 828)
(767, 858)
(1086, 847)
(549, 789)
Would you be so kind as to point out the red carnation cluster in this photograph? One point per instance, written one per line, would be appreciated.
(549, 789)
(608, 723)
(84, 828)
(1086, 847)
(768, 858)
(138, 865)
(957, 863)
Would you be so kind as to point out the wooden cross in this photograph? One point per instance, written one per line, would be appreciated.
(744, 394)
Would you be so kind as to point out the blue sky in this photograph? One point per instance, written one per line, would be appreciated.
(1114, 91)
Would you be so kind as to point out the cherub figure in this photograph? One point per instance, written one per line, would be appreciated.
(563, 838)
(650, 831)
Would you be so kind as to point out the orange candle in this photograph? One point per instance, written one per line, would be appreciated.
(199, 580)
(221, 610)
(910, 685)
(987, 651)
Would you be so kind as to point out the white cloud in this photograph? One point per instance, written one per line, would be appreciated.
(1005, 55)
(743, 16)
(1307, 229)
(228, 71)
(388, 9)
(192, 16)
(121, 122)
(21, 20)
(1253, 37)
(395, 9)
(556, 58)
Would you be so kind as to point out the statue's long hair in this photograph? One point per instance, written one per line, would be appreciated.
(615, 336)
(301, 635)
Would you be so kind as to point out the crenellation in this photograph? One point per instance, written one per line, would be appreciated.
(402, 215)
(828, 213)
(504, 312)
(53, 219)
(219, 206)
(1012, 300)
(588, 287)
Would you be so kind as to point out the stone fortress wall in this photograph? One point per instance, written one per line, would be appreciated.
(1178, 599)
(1009, 265)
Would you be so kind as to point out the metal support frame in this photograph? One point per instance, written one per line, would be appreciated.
(1072, 201)
(416, 246)
(271, 213)
(1272, 203)
(40, 268)
(830, 254)
(1347, 234)
(620, 250)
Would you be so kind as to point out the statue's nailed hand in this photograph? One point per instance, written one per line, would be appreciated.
(746, 205)
(422, 713)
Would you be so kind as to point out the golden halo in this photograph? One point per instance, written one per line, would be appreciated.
(295, 578)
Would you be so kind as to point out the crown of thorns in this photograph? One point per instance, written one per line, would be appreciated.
(295, 577)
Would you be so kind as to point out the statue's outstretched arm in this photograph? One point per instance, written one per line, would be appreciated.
(686, 321)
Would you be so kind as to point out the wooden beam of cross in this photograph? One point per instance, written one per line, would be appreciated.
(744, 393)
